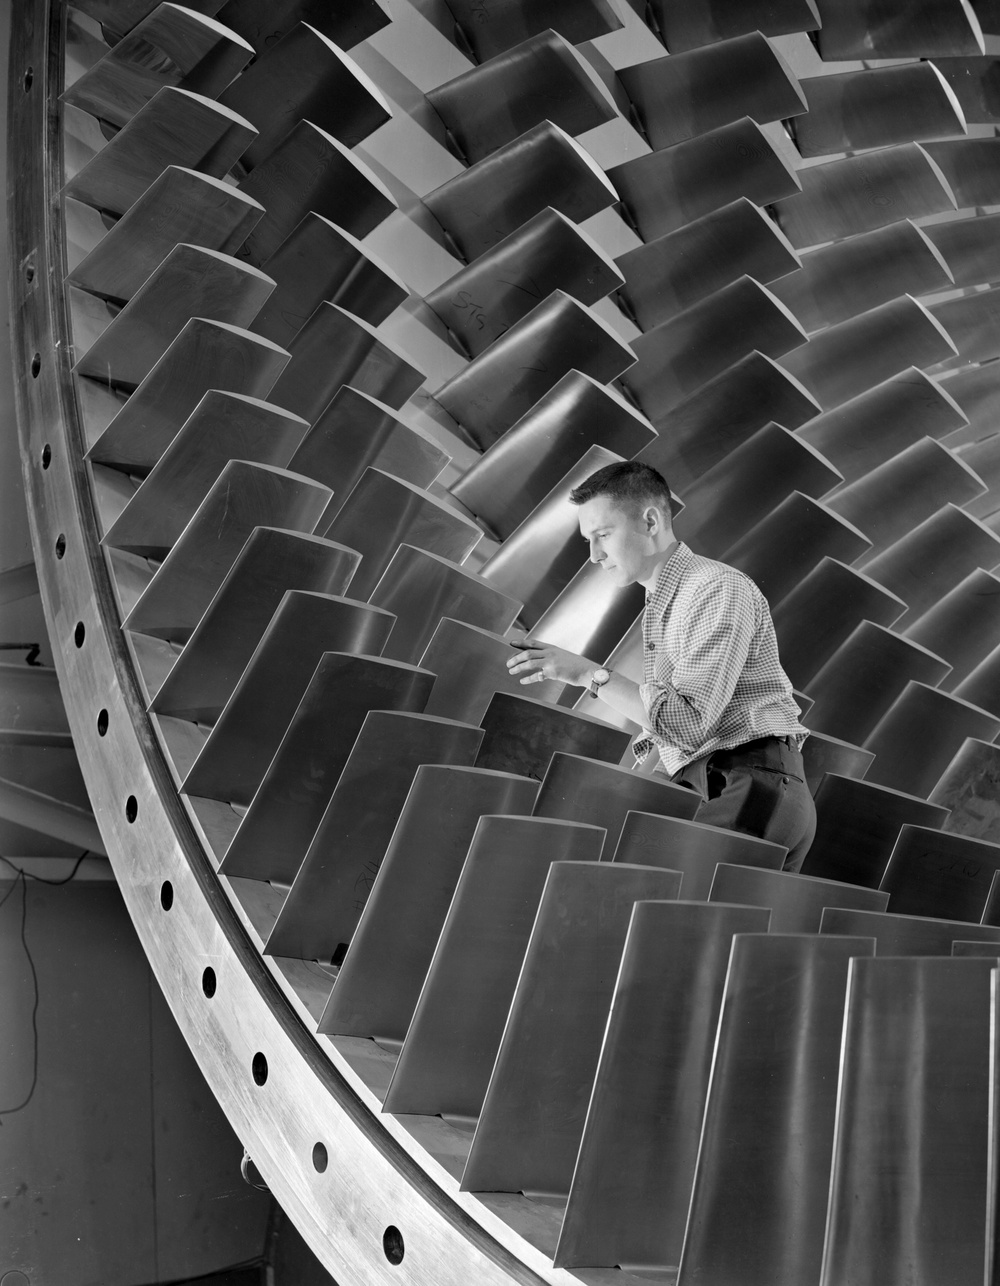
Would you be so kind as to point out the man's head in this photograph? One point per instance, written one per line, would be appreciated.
(625, 514)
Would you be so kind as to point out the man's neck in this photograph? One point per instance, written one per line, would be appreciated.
(649, 582)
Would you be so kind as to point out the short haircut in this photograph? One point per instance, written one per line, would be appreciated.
(628, 482)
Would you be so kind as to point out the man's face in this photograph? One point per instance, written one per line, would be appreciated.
(619, 538)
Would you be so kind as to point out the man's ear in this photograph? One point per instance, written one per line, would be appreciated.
(653, 519)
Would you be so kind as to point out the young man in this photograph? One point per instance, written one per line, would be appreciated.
(714, 700)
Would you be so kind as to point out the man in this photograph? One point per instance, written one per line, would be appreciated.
(714, 699)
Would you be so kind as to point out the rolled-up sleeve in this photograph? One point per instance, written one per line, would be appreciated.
(711, 642)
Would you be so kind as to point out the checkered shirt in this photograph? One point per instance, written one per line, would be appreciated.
(711, 675)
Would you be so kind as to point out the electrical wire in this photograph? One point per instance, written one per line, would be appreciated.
(21, 878)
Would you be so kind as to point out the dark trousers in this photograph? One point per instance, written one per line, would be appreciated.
(759, 789)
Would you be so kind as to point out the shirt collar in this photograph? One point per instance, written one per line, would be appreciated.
(670, 574)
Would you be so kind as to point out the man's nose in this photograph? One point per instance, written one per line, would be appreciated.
(596, 553)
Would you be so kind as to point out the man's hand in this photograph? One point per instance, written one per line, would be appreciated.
(538, 661)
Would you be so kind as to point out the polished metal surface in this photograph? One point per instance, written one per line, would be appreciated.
(452, 1041)
(666, 189)
(783, 548)
(970, 788)
(856, 827)
(971, 324)
(262, 22)
(319, 261)
(863, 677)
(499, 386)
(335, 348)
(796, 902)
(305, 76)
(918, 736)
(321, 911)
(871, 428)
(852, 111)
(174, 128)
(700, 22)
(517, 472)
(744, 487)
(822, 754)
(909, 1180)
(968, 246)
(906, 935)
(822, 611)
(933, 558)
(377, 988)
(120, 348)
(758, 1207)
(693, 849)
(180, 206)
(984, 459)
(205, 355)
(860, 29)
(848, 277)
(689, 93)
(591, 615)
(969, 168)
(963, 625)
(471, 664)
(222, 427)
(495, 29)
(538, 560)
(651, 1086)
(976, 389)
(272, 561)
(668, 274)
(243, 497)
(493, 198)
(680, 355)
(535, 1107)
(542, 78)
(249, 730)
(521, 735)
(700, 430)
(309, 171)
(405, 515)
(936, 873)
(355, 432)
(982, 686)
(171, 46)
(275, 832)
(548, 252)
(845, 360)
(584, 790)
(421, 589)
(859, 193)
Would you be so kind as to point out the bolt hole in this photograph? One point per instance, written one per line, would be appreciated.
(102, 723)
(46, 456)
(208, 983)
(392, 1244)
(166, 895)
(29, 273)
(259, 1069)
(131, 809)
(60, 545)
(79, 634)
(29, 78)
(320, 1158)
(36, 365)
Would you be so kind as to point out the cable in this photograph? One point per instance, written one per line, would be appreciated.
(22, 878)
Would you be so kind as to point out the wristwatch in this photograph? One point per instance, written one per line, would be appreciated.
(600, 677)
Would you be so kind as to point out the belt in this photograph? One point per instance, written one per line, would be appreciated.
(757, 744)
